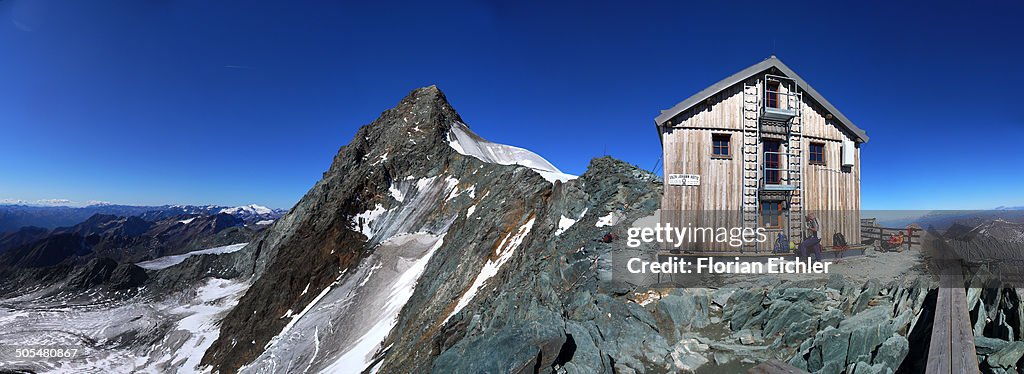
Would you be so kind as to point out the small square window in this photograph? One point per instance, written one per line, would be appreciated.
(771, 214)
(720, 146)
(816, 154)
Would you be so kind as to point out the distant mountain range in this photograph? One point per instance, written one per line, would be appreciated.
(998, 229)
(122, 238)
(16, 216)
(944, 219)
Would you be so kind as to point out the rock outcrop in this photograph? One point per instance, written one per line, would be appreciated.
(998, 322)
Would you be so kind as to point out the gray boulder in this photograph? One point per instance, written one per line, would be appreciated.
(987, 346)
(1008, 356)
(892, 352)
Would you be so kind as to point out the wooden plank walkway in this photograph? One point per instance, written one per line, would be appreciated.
(952, 349)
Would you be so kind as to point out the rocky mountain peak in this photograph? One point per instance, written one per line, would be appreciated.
(422, 118)
(413, 134)
(390, 196)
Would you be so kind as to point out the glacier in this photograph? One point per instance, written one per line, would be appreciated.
(168, 261)
(467, 143)
(135, 334)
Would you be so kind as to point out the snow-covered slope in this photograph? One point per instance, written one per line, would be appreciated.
(1000, 229)
(168, 261)
(464, 141)
(341, 331)
(253, 213)
(136, 335)
(249, 209)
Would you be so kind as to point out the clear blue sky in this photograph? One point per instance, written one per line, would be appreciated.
(231, 102)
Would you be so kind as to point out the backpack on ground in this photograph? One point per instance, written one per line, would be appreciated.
(839, 240)
(781, 244)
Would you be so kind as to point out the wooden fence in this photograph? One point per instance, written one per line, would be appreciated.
(872, 233)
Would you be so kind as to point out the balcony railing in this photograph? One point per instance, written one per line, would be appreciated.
(773, 176)
(779, 106)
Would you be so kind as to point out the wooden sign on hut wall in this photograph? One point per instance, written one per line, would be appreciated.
(683, 180)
